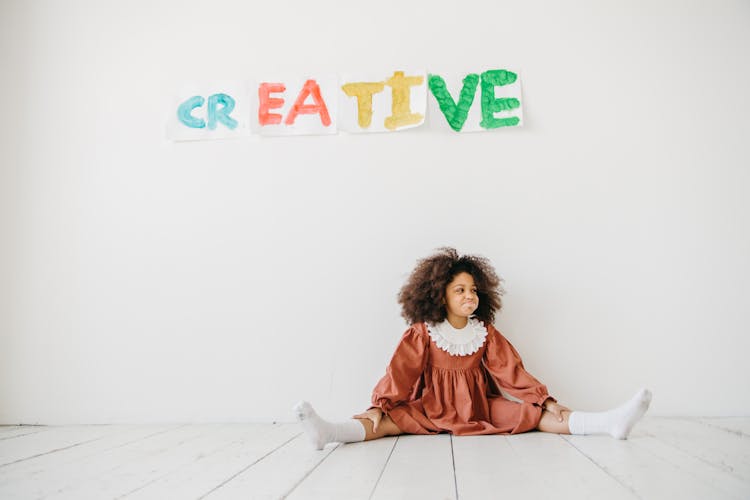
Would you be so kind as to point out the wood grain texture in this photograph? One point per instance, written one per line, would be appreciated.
(689, 458)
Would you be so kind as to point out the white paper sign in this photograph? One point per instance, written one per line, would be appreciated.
(382, 102)
(294, 106)
(209, 111)
(476, 102)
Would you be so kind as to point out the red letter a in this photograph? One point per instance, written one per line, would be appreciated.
(299, 106)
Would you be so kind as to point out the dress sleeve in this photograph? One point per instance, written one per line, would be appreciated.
(403, 372)
(505, 365)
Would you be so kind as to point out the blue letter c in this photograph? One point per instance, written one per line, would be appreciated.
(183, 112)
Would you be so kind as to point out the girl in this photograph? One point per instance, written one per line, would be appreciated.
(450, 365)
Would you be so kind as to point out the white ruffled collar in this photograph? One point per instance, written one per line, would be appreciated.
(458, 342)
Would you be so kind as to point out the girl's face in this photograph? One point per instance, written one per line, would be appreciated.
(461, 299)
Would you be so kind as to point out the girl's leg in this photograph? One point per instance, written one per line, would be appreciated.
(387, 427)
(617, 422)
(549, 423)
(321, 432)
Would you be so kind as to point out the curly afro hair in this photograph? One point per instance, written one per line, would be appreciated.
(421, 298)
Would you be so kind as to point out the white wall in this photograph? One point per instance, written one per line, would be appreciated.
(222, 281)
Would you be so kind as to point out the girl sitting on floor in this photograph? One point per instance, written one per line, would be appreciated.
(450, 365)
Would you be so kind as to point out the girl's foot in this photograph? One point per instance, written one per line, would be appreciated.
(321, 432)
(617, 422)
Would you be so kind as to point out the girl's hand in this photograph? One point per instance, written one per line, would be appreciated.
(373, 414)
(555, 409)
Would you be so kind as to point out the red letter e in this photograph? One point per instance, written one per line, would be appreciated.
(266, 102)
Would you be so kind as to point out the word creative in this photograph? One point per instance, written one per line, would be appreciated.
(481, 101)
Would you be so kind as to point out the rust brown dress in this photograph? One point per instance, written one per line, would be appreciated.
(426, 390)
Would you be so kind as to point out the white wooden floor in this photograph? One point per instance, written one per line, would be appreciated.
(665, 458)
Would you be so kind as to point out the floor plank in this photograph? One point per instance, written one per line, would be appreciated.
(53, 439)
(117, 468)
(715, 446)
(32, 477)
(209, 469)
(724, 484)
(686, 458)
(275, 475)
(533, 465)
(13, 431)
(647, 471)
(154, 459)
(736, 425)
(420, 467)
(351, 472)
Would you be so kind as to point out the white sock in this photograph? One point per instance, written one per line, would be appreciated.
(617, 423)
(321, 432)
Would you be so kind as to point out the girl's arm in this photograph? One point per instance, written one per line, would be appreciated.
(505, 365)
(404, 370)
